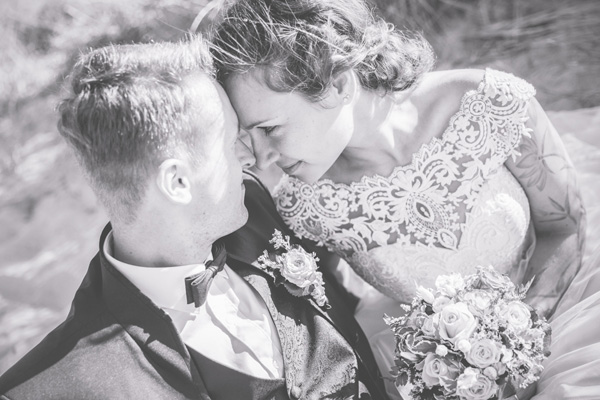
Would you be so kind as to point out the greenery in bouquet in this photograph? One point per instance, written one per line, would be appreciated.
(470, 338)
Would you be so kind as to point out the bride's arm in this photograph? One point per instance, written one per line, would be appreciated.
(549, 180)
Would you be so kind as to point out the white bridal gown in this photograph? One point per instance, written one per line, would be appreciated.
(456, 206)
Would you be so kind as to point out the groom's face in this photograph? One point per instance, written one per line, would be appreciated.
(218, 188)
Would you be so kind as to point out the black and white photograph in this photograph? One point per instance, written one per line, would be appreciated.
(300, 199)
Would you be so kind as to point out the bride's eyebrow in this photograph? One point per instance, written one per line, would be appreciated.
(257, 123)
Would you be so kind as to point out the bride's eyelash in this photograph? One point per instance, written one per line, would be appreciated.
(267, 130)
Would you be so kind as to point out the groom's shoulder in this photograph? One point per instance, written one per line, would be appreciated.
(71, 354)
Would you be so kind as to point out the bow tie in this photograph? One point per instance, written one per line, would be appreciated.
(197, 285)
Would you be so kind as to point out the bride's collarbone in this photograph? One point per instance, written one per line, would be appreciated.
(353, 165)
(432, 106)
(349, 170)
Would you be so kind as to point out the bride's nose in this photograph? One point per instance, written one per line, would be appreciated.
(264, 152)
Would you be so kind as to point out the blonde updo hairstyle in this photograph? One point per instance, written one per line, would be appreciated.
(302, 45)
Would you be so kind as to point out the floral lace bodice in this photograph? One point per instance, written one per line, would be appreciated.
(455, 206)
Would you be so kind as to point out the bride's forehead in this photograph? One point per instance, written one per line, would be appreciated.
(249, 82)
(250, 95)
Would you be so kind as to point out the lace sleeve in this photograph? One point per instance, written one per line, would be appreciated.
(544, 170)
(509, 99)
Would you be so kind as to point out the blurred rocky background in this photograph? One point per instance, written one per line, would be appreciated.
(49, 219)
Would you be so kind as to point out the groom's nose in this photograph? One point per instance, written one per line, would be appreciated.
(243, 152)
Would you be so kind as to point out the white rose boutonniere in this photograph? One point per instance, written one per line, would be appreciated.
(295, 268)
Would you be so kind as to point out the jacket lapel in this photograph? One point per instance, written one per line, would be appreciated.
(247, 244)
(343, 322)
(151, 328)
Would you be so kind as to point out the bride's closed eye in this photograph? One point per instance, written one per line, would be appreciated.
(268, 130)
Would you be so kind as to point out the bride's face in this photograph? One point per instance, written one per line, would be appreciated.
(303, 138)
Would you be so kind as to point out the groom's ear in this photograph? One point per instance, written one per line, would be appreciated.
(173, 181)
(342, 90)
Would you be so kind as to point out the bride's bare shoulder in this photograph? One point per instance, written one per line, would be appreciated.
(438, 97)
(447, 86)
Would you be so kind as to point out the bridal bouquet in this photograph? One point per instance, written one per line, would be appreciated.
(472, 338)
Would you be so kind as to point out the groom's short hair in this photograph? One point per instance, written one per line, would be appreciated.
(127, 110)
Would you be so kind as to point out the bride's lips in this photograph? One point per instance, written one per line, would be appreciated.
(290, 169)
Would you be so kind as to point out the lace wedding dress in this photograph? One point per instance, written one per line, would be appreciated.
(454, 207)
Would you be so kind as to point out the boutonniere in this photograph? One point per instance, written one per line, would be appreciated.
(295, 268)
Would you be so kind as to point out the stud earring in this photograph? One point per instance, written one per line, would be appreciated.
(346, 98)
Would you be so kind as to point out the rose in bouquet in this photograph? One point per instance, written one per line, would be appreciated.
(470, 338)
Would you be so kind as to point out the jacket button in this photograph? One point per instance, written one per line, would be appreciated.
(296, 392)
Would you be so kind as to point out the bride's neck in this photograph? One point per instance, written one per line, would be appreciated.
(382, 125)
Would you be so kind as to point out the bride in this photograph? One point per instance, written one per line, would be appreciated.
(406, 173)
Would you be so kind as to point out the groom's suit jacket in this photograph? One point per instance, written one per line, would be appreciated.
(117, 344)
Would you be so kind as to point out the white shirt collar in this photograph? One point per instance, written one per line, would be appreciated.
(233, 313)
(164, 286)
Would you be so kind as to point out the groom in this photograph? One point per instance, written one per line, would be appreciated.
(164, 311)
